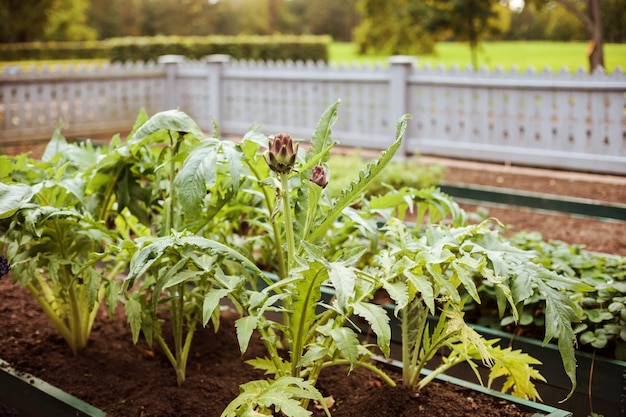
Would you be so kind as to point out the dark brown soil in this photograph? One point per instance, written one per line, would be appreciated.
(130, 381)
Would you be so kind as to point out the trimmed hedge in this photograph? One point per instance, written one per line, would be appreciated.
(275, 48)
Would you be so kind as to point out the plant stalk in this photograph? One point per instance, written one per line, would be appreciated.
(289, 236)
(282, 273)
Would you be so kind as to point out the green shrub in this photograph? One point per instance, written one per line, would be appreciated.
(145, 49)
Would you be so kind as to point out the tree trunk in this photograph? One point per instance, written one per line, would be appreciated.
(593, 20)
(596, 50)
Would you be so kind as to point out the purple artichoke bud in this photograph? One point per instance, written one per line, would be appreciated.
(318, 176)
(281, 155)
(4, 266)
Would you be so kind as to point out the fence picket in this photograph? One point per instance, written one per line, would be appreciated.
(549, 119)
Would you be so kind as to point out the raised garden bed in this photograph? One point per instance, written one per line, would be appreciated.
(215, 364)
(24, 395)
(278, 216)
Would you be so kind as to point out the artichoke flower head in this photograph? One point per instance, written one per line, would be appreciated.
(281, 153)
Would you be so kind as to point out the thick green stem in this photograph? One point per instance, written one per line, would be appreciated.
(441, 369)
(366, 365)
(59, 324)
(282, 273)
(166, 349)
(178, 317)
(272, 350)
(411, 348)
(289, 235)
(76, 320)
(169, 215)
(108, 194)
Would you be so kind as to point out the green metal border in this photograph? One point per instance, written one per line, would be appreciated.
(550, 202)
(33, 397)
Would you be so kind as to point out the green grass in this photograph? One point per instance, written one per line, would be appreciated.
(522, 54)
(63, 63)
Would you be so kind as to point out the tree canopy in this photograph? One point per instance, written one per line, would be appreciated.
(384, 26)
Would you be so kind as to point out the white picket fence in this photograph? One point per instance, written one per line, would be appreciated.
(563, 120)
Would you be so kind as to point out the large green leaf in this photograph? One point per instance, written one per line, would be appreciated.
(133, 316)
(560, 313)
(149, 254)
(216, 165)
(306, 295)
(347, 342)
(198, 171)
(378, 319)
(57, 145)
(343, 279)
(169, 120)
(13, 197)
(245, 326)
(284, 395)
(211, 302)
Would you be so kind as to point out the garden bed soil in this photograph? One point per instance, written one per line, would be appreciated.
(127, 380)
(594, 234)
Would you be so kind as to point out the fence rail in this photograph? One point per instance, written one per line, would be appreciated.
(562, 120)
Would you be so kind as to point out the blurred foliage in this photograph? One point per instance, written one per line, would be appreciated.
(278, 47)
(78, 19)
(398, 174)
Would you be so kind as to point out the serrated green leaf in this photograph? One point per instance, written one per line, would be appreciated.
(347, 343)
(378, 319)
(322, 136)
(245, 326)
(343, 279)
(305, 297)
(313, 353)
(464, 268)
(133, 316)
(263, 364)
(143, 259)
(306, 208)
(399, 293)
(211, 302)
(560, 314)
(424, 287)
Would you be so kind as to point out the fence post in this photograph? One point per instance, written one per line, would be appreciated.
(216, 64)
(400, 67)
(170, 64)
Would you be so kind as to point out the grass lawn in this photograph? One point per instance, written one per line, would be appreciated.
(62, 63)
(522, 54)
